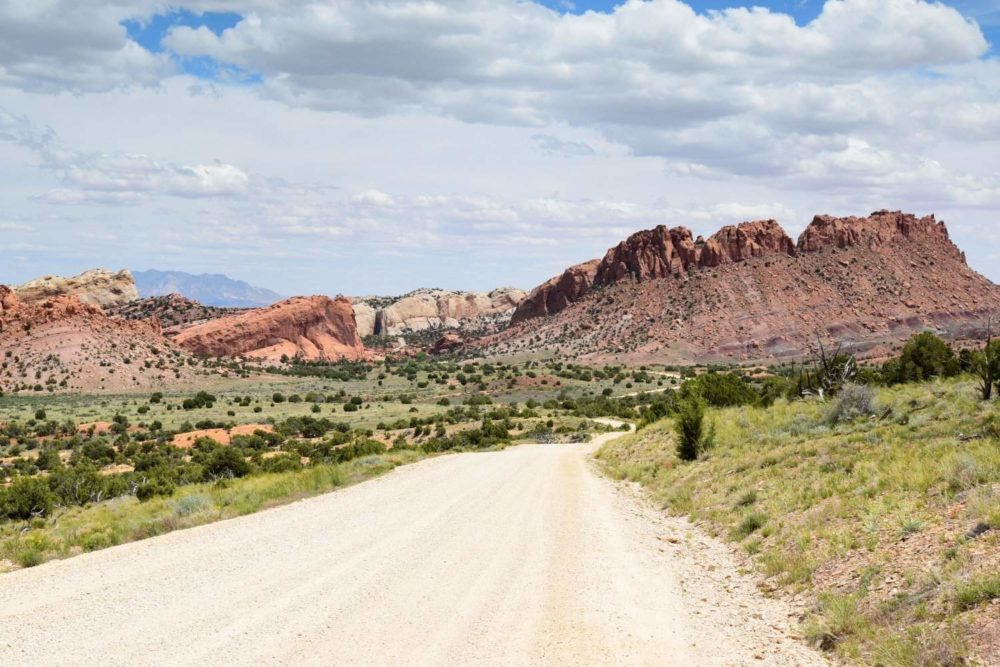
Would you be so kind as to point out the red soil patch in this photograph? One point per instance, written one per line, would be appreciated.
(220, 435)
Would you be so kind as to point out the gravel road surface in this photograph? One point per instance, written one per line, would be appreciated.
(525, 556)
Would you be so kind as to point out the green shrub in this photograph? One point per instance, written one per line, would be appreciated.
(924, 356)
(977, 591)
(225, 462)
(27, 497)
(689, 425)
(752, 522)
(720, 390)
(192, 504)
(29, 557)
(151, 488)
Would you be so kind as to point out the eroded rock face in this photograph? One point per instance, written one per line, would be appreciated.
(557, 293)
(746, 241)
(8, 300)
(365, 315)
(98, 287)
(661, 252)
(425, 309)
(880, 229)
(451, 341)
(650, 253)
(749, 293)
(312, 328)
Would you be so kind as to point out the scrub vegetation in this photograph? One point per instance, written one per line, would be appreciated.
(879, 504)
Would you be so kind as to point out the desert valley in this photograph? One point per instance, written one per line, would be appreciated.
(127, 416)
(555, 333)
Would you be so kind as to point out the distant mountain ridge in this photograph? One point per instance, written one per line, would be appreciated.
(210, 289)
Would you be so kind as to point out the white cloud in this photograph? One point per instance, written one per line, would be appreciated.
(80, 46)
(118, 178)
(557, 146)
(744, 91)
(485, 141)
(374, 198)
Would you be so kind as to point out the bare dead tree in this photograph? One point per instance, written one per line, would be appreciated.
(830, 372)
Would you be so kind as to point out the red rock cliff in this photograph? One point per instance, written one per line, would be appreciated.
(880, 229)
(663, 252)
(556, 293)
(312, 328)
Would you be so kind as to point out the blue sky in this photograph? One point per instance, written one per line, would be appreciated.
(150, 31)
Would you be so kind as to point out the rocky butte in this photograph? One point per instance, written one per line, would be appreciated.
(312, 328)
(750, 292)
(98, 287)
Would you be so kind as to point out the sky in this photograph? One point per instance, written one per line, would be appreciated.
(374, 147)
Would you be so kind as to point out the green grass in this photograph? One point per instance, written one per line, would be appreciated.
(75, 530)
(852, 513)
(978, 591)
(381, 402)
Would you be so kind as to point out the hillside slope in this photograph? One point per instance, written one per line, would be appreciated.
(62, 344)
(751, 293)
(173, 311)
(888, 527)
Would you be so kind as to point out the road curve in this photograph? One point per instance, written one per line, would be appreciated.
(518, 557)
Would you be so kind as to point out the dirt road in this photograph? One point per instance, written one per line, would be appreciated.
(518, 557)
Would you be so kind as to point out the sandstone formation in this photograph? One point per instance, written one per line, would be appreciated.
(450, 342)
(749, 292)
(98, 287)
(557, 293)
(313, 328)
(745, 241)
(429, 309)
(881, 229)
(365, 315)
(8, 300)
(62, 344)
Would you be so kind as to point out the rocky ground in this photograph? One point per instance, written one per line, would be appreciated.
(174, 311)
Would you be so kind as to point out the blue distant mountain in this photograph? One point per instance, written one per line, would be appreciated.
(210, 289)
